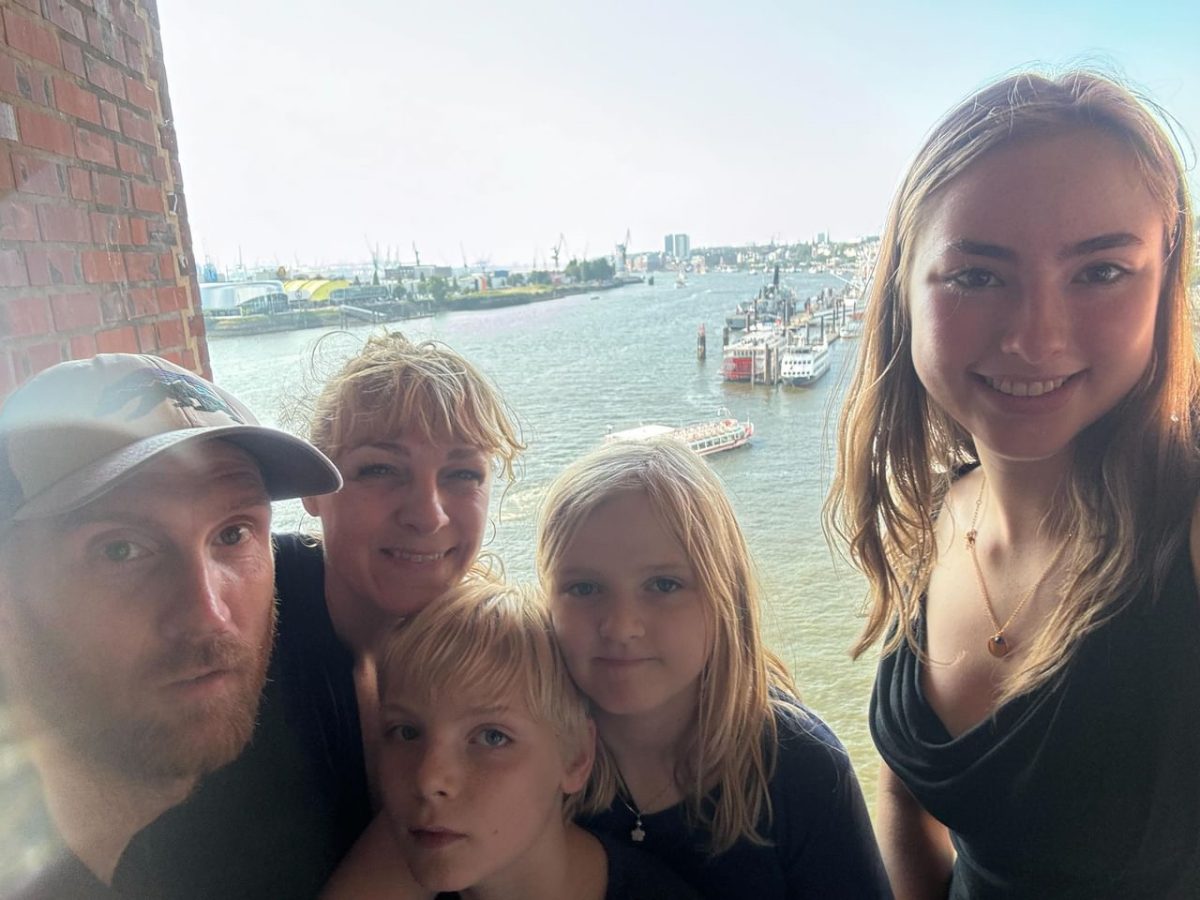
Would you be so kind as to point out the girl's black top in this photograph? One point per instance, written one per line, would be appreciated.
(1089, 786)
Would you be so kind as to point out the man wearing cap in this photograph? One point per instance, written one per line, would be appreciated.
(137, 617)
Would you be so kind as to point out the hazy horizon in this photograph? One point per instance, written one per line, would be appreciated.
(308, 132)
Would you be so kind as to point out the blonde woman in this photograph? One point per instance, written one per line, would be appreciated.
(1017, 478)
(706, 758)
(419, 436)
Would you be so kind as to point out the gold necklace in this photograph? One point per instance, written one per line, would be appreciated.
(998, 645)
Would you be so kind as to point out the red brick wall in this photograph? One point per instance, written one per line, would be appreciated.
(95, 251)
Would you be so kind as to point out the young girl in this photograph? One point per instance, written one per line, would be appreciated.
(486, 747)
(706, 758)
(1017, 475)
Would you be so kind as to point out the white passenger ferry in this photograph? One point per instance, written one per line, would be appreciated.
(804, 364)
(703, 437)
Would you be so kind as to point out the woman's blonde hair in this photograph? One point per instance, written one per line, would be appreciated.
(491, 641)
(393, 385)
(1130, 492)
(725, 762)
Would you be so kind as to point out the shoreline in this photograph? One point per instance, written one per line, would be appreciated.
(218, 327)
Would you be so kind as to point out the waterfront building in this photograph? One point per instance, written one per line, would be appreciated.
(314, 290)
(234, 298)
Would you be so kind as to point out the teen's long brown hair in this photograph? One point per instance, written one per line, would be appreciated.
(1133, 483)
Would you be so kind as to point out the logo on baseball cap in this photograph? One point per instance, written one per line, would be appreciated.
(78, 429)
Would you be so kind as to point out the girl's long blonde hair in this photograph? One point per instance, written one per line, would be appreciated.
(731, 746)
(1133, 482)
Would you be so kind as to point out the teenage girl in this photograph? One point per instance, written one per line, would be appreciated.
(705, 758)
(1017, 477)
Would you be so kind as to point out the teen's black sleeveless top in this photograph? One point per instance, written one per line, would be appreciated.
(1088, 787)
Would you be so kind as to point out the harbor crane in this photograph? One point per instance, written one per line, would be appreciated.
(623, 252)
(562, 241)
(374, 251)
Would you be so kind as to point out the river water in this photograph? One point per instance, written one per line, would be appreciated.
(574, 366)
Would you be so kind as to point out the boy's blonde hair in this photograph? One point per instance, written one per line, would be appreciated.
(490, 640)
(899, 451)
(732, 745)
(394, 386)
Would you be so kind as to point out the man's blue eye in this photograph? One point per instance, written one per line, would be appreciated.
(122, 551)
(233, 535)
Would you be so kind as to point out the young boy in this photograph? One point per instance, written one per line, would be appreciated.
(486, 746)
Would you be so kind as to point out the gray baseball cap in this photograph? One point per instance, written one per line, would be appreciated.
(78, 429)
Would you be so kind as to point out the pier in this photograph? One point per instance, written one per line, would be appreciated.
(772, 331)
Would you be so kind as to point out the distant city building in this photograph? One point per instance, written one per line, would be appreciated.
(406, 273)
(677, 245)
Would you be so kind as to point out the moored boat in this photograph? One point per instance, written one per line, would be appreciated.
(803, 365)
(747, 358)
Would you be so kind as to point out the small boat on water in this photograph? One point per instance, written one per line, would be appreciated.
(803, 365)
(741, 318)
(680, 280)
(712, 436)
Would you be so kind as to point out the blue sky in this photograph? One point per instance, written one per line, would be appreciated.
(307, 129)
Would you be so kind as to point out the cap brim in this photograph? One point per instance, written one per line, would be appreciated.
(290, 467)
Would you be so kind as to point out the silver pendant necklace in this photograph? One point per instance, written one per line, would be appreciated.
(637, 834)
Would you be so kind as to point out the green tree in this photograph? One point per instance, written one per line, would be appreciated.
(438, 287)
(598, 269)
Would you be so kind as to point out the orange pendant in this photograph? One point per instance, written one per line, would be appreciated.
(998, 646)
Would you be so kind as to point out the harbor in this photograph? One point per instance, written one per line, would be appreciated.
(778, 338)
(573, 367)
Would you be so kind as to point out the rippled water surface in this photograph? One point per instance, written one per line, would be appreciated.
(572, 367)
